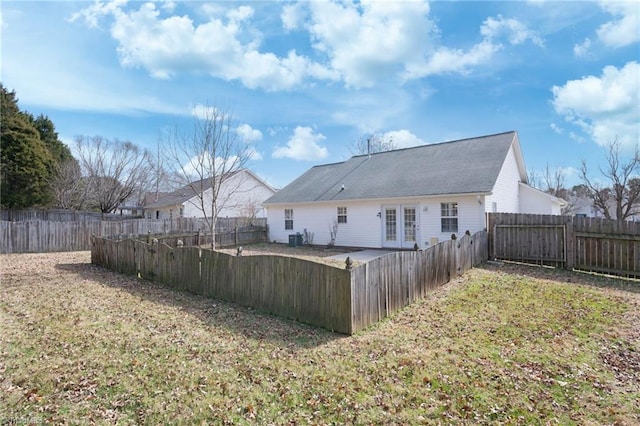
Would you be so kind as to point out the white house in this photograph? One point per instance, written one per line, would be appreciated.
(400, 198)
(241, 195)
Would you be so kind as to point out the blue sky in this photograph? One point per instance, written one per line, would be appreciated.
(305, 80)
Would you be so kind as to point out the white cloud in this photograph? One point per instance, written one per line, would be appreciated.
(371, 40)
(605, 107)
(514, 31)
(626, 29)
(304, 144)
(446, 60)
(403, 138)
(225, 46)
(361, 43)
(292, 16)
(254, 154)
(249, 134)
(582, 50)
(209, 112)
(201, 166)
(557, 129)
(91, 15)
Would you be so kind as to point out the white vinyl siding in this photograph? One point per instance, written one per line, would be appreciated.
(534, 201)
(365, 228)
(361, 230)
(240, 196)
(505, 191)
(470, 217)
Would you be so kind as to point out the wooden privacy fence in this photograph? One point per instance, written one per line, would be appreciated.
(39, 236)
(232, 238)
(587, 244)
(386, 284)
(341, 300)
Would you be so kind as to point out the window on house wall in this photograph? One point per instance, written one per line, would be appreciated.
(342, 215)
(181, 211)
(157, 214)
(449, 214)
(494, 207)
(288, 218)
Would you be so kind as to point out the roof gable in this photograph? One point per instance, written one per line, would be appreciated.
(459, 167)
(193, 189)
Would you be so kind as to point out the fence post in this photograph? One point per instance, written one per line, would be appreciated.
(570, 245)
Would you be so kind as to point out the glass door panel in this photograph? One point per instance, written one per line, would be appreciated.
(390, 224)
(409, 225)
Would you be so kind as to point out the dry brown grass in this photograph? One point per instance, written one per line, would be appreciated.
(509, 345)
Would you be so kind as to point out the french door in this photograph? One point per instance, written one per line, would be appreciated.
(400, 226)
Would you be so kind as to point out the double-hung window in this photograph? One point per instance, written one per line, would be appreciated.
(342, 215)
(449, 217)
(288, 218)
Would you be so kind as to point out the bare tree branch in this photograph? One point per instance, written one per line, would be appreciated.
(67, 185)
(206, 158)
(621, 199)
(114, 169)
(371, 144)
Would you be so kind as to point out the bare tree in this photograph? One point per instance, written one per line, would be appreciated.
(206, 159)
(114, 170)
(553, 183)
(250, 209)
(67, 186)
(371, 144)
(622, 193)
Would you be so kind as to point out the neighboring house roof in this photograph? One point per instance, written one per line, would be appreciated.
(467, 166)
(187, 192)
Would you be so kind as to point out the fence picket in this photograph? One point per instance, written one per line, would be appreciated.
(589, 244)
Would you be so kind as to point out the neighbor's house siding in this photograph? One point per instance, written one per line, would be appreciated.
(505, 191)
(163, 213)
(535, 201)
(237, 194)
(364, 228)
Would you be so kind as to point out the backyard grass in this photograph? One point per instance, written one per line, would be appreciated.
(512, 345)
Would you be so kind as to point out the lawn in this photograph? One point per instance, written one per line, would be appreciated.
(512, 345)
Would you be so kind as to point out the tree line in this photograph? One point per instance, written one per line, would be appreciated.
(38, 170)
(613, 192)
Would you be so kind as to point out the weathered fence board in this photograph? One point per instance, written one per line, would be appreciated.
(341, 300)
(387, 284)
(589, 244)
(38, 236)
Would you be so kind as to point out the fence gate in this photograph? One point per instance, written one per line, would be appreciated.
(541, 244)
(588, 244)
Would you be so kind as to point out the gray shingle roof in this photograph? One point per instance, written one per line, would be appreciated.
(459, 167)
(181, 195)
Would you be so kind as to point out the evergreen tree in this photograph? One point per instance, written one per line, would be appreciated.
(25, 161)
(59, 151)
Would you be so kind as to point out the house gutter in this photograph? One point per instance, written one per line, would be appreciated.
(410, 197)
